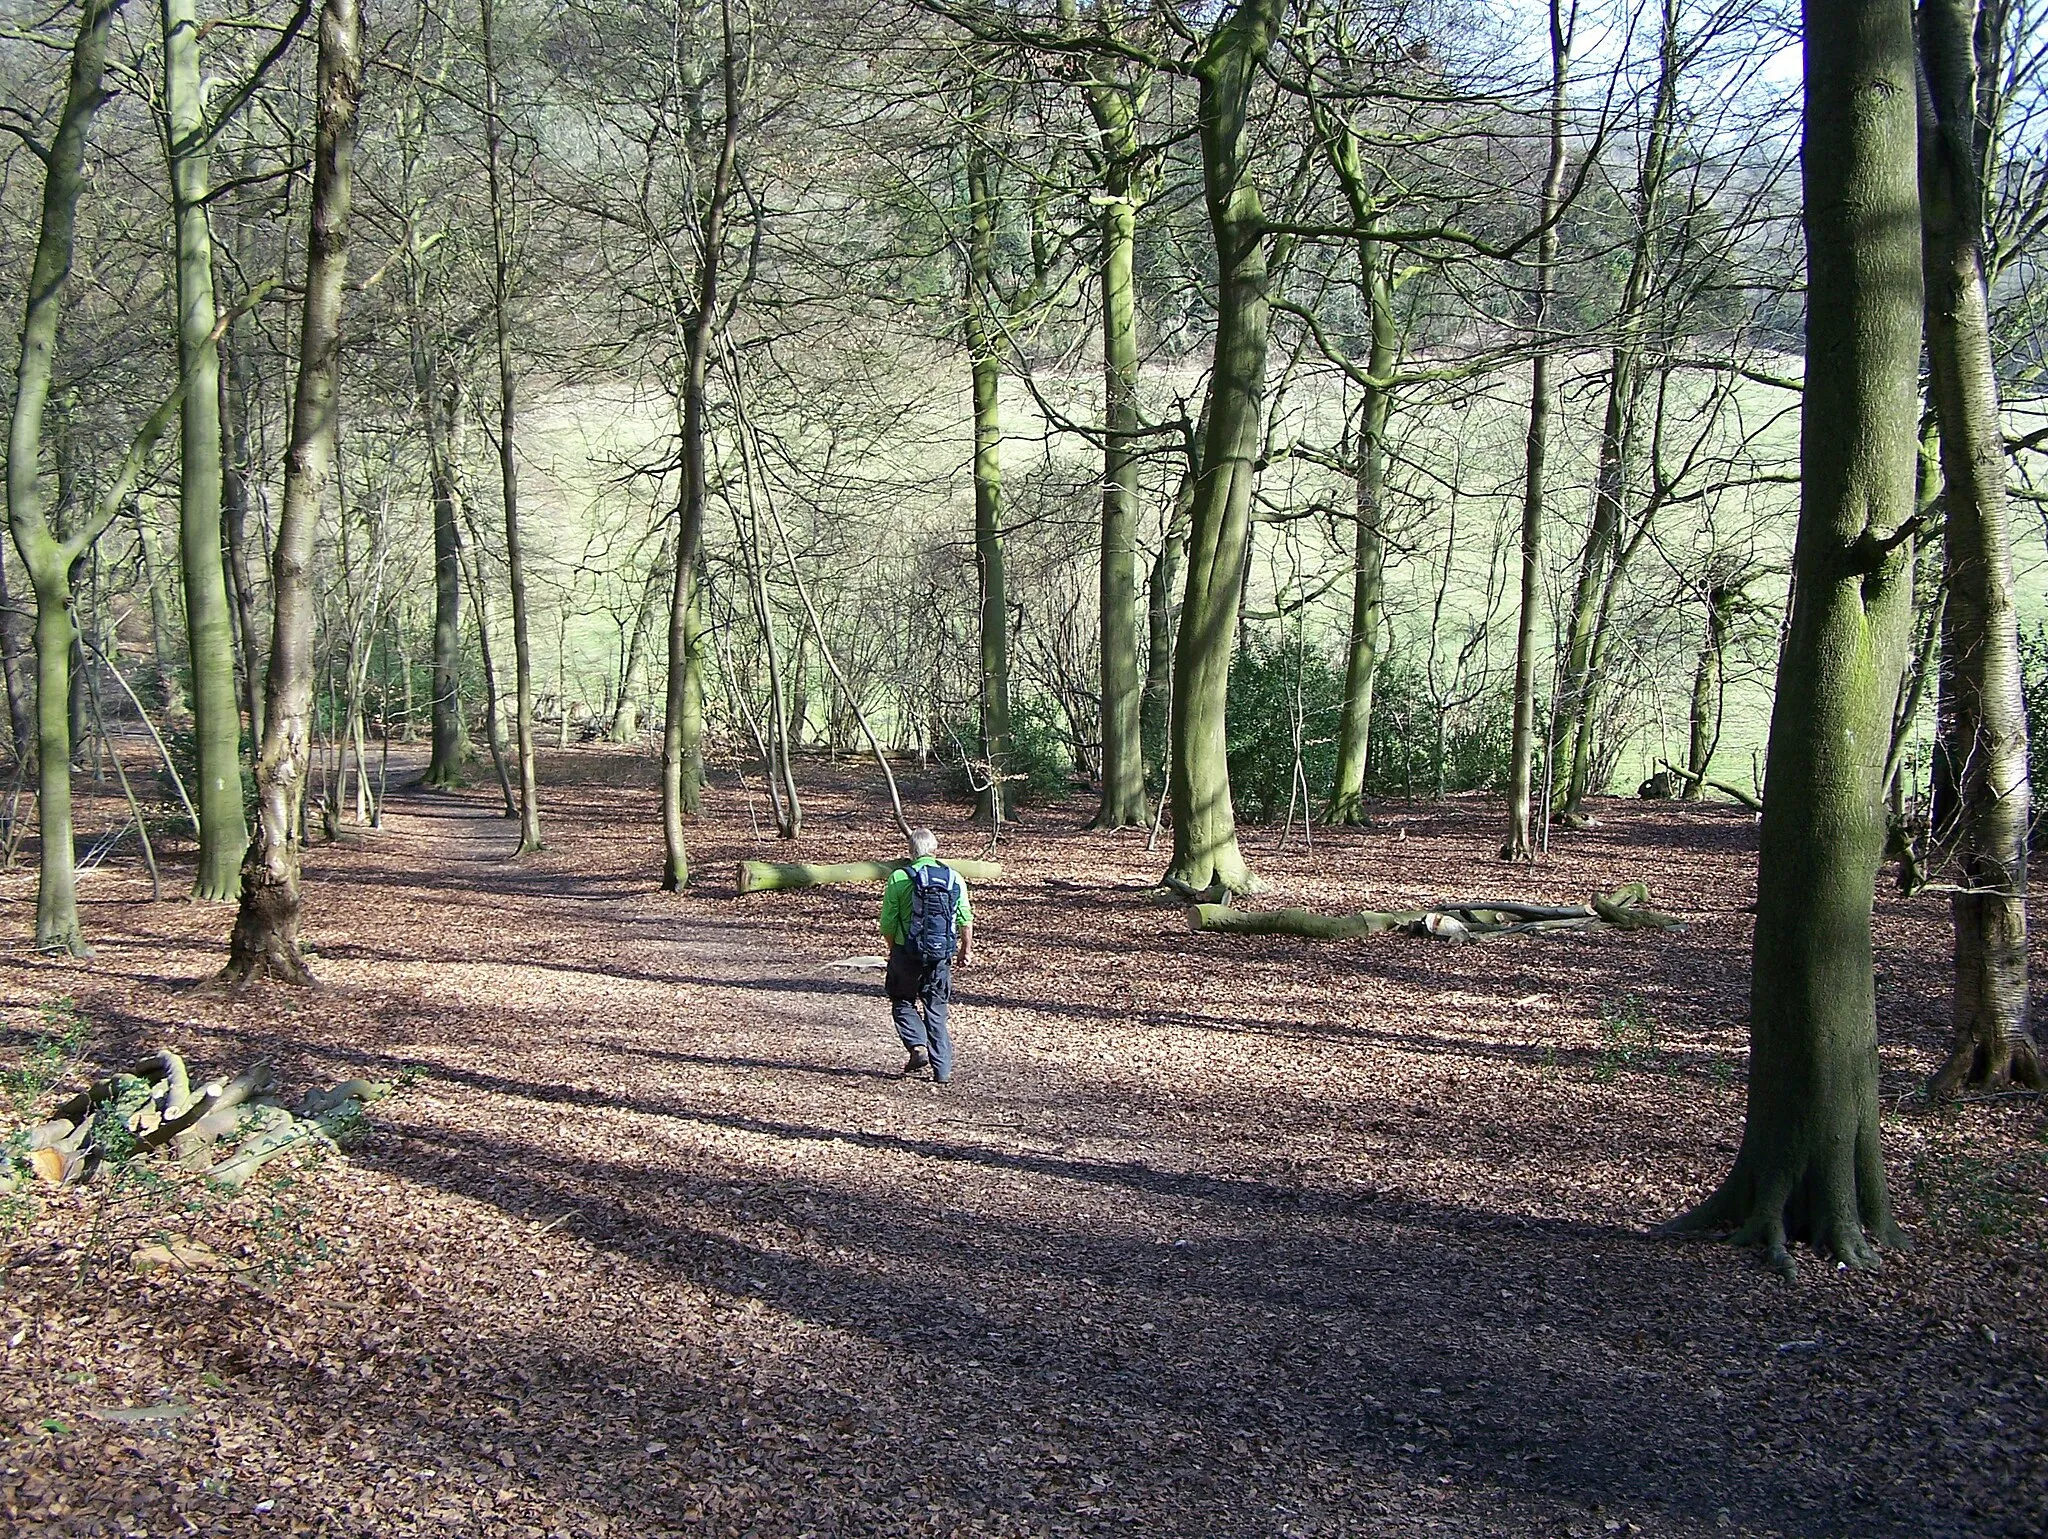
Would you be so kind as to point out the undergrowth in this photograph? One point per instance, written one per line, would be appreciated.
(1628, 1039)
(140, 1212)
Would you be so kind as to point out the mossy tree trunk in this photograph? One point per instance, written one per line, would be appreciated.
(1205, 847)
(1810, 1166)
(1369, 474)
(264, 942)
(1521, 840)
(209, 626)
(1116, 103)
(1984, 722)
(48, 556)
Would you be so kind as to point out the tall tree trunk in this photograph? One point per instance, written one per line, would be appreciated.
(1573, 718)
(236, 390)
(264, 942)
(441, 406)
(1205, 849)
(1521, 841)
(508, 418)
(984, 348)
(1368, 589)
(1368, 578)
(678, 748)
(49, 558)
(209, 626)
(1115, 105)
(1984, 726)
(1810, 1166)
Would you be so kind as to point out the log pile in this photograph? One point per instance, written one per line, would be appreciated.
(766, 876)
(224, 1130)
(1626, 908)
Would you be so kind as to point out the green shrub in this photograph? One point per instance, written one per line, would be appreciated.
(1272, 683)
(1419, 750)
(1040, 751)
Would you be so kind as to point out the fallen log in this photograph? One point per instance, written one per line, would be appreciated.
(1465, 920)
(767, 876)
(1735, 793)
(1221, 919)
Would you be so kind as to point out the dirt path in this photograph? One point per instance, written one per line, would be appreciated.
(658, 1244)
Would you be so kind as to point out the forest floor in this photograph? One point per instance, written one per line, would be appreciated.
(1210, 1236)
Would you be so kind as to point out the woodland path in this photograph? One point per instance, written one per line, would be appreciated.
(658, 1243)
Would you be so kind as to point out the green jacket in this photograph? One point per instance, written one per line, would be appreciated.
(896, 901)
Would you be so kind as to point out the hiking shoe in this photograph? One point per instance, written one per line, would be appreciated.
(942, 1079)
(920, 1060)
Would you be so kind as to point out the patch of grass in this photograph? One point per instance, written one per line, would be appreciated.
(1628, 1039)
(1977, 1199)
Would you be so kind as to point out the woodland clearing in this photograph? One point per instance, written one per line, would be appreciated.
(1212, 1235)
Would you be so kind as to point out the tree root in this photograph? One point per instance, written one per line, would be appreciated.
(1973, 1063)
(1769, 1212)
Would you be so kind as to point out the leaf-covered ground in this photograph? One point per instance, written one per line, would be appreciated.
(1210, 1235)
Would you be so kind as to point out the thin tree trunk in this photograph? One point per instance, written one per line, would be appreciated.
(1521, 841)
(1205, 848)
(693, 707)
(486, 622)
(677, 748)
(209, 626)
(1368, 580)
(1162, 616)
(235, 392)
(170, 694)
(264, 942)
(1704, 726)
(508, 418)
(441, 407)
(1984, 725)
(625, 725)
(1573, 719)
(984, 352)
(1811, 1166)
(1115, 105)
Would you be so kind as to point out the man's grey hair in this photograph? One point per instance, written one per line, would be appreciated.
(923, 842)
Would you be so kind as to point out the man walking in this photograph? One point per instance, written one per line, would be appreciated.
(923, 906)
